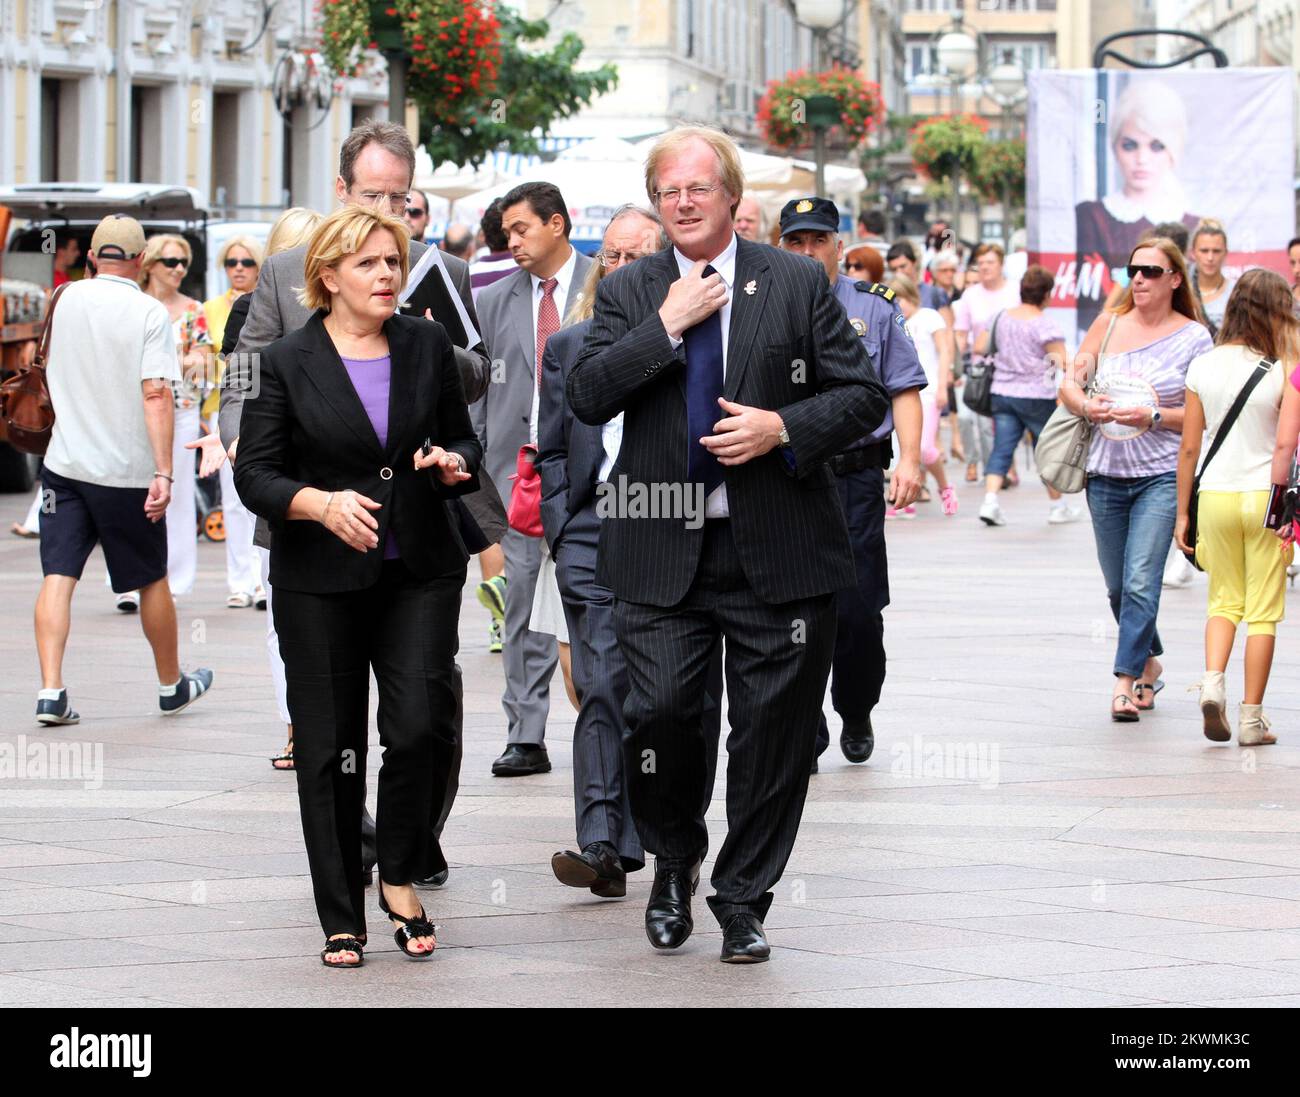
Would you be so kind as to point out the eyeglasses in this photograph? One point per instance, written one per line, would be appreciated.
(613, 258)
(247, 264)
(171, 263)
(396, 202)
(855, 266)
(412, 211)
(698, 193)
(1149, 272)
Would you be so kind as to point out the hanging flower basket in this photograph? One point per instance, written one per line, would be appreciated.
(454, 45)
(1000, 168)
(946, 143)
(782, 111)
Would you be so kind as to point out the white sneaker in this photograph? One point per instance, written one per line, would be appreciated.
(128, 602)
(1178, 572)
(1214, 707)
(991, 513)
(1062, 513)
(1253, 728)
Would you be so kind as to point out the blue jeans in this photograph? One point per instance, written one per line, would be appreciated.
(1133, 522)
(1012, 416)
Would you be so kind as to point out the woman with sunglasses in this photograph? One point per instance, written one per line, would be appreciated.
(163, 266)
(1245, 561)
(865, 264)
(241, 259)
(1139, 352)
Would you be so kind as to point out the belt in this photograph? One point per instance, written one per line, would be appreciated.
(875, 456)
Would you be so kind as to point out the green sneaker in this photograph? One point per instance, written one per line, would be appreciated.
(494, 637)
(492, 596)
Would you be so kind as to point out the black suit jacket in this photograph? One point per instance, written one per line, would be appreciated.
(306, 427)
(569, 452)
(791, 350)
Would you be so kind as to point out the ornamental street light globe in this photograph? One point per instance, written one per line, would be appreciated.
(958, 54)
(819, 14)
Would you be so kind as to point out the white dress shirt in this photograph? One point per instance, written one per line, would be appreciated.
(715, 506)
(564, 280)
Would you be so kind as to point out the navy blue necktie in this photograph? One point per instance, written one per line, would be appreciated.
(703, 387)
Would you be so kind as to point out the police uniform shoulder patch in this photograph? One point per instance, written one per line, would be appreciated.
(878, 288)
(902, 326)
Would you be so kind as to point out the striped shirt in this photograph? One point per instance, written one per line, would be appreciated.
(1153, 376)
(491, 267)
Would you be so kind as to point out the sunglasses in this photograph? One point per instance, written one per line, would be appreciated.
(231, 264)
(411, 211)
(173, 263)
(1150, 273)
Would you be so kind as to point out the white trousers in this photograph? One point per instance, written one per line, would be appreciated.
(182, 512)
(273, 641)
(243, 572)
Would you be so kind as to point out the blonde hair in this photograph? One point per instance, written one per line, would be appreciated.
(1155, 108)
(905, 288)
(1183, 299)
(293, 227)
(153, 250)
(729, 167)
(250, 245)
(341, 234)
(1208, 226)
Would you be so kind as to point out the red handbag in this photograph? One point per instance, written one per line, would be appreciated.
(525, 511)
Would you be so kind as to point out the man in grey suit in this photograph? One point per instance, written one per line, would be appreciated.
(519, 313)
(376, 168)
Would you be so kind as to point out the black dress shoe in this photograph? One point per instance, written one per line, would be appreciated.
(436, 880)
(668, 919)
(521, 760)
(857, 740)
(743, 941)
(597, 867)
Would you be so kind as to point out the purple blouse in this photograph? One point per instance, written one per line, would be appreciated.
(371, 377)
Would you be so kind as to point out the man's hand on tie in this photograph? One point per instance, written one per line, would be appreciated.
(746, 433)
(690, 299)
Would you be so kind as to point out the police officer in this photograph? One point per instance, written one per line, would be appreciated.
(810, 226)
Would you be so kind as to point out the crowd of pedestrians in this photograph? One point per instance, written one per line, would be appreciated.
(796, 393)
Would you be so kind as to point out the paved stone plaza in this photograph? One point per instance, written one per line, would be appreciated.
(1006, 845)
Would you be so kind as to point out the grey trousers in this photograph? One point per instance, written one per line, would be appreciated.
(600, 676)
(529, 657)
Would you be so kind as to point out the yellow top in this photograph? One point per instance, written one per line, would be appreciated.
(217, 312)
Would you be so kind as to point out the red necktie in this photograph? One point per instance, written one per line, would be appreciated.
(548, 321)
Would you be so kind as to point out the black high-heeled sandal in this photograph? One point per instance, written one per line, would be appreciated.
(343, 944)
(411, 928)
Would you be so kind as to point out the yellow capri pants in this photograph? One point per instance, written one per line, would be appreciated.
(1245, 562)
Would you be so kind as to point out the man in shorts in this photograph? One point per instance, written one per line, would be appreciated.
(108, 472)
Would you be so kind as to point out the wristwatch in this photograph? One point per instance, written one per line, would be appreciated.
(784, 436)
(1155, 416)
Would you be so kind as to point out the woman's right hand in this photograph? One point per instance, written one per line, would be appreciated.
(1096, 409)
(347, 516)
(1180, 534)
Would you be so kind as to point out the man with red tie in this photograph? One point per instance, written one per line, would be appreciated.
(519, 313)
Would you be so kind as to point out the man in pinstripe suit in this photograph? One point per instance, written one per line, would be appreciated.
(738, 376)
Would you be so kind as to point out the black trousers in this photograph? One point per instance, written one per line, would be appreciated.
(776, 661)
(406, 630)
(859, 665)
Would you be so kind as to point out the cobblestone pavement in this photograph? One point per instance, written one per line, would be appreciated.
(1006, 845)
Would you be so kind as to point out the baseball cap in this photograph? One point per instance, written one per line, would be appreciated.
(117, 236)
(817, 214)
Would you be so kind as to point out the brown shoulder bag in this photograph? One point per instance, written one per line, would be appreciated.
(25, 404)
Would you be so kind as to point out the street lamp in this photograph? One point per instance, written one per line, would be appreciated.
(955, 53)
(1005, 84)
(821, 111)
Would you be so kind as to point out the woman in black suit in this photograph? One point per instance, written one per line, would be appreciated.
(356, 436)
